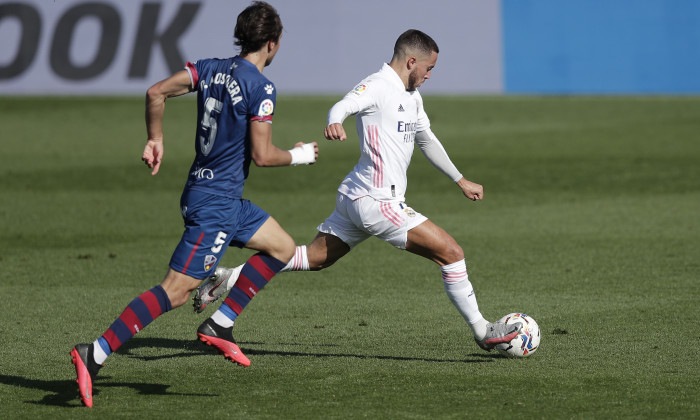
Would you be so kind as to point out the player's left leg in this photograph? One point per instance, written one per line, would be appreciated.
(431, 241)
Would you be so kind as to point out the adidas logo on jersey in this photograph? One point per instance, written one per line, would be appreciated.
(400, 108)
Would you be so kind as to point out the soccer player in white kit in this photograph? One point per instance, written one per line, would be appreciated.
(370, 201)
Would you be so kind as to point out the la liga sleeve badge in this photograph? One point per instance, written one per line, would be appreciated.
(267, 107)
(359, 89)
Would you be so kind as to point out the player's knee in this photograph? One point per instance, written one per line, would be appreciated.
(453, 253)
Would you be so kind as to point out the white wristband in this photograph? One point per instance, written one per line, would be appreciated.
(303, 155)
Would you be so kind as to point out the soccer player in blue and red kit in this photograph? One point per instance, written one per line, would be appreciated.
(235, 106)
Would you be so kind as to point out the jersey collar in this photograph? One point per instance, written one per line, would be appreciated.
(392, 76)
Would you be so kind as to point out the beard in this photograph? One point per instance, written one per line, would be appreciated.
(413, 81)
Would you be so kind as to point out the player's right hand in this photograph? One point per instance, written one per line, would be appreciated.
(335, 131)
(153, 155)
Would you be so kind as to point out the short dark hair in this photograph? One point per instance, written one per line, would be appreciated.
(256, 25)
(415, 40)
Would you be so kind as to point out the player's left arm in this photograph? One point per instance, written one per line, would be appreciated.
(436, 154)
(175, 85)
(261, 110)
(265, 153)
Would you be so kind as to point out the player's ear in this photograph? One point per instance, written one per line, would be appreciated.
(271, 45)
(411, 63)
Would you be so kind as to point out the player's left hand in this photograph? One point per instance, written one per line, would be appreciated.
(301, 143)
(471, 190)
(153, 155)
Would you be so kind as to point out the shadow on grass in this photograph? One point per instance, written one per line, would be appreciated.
(64, 393)
(196, 348)
(61, 392)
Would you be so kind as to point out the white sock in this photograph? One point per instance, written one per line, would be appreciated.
(460, 291)
(221, 319)
(299, 262)
(98, 354)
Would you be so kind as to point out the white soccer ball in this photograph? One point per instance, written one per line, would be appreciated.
(526, 342)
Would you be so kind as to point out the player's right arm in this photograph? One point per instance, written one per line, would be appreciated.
(175, 85)
(335, 131)
(358, 99)
(338, 113)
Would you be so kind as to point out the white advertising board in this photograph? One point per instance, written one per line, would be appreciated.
(80, 47)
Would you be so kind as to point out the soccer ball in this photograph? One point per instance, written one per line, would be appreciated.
(526, 342)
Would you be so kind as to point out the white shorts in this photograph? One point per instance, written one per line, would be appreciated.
(353, 221)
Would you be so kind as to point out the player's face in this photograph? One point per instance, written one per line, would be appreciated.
(421, 71)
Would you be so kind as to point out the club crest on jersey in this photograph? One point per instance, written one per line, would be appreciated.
(209, 261)
(266, 108)
(360, 89)
(409, 212)
(269, 89)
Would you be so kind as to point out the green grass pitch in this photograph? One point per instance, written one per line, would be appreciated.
(590, 224)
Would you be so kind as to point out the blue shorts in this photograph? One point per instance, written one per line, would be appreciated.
(212, 223)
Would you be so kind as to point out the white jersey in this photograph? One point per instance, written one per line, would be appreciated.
(387, 119)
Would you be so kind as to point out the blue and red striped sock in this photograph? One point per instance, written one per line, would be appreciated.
(256, 273)
(139, 313)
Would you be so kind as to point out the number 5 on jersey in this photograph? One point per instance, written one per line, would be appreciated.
(219, 242)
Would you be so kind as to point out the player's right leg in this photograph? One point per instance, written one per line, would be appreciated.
(86, 370)
(144, 309)
(324, 251)
(206, 219)
(336, 236)
(333, 241)
(321, 253)
(261, 233)
(88, 358)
